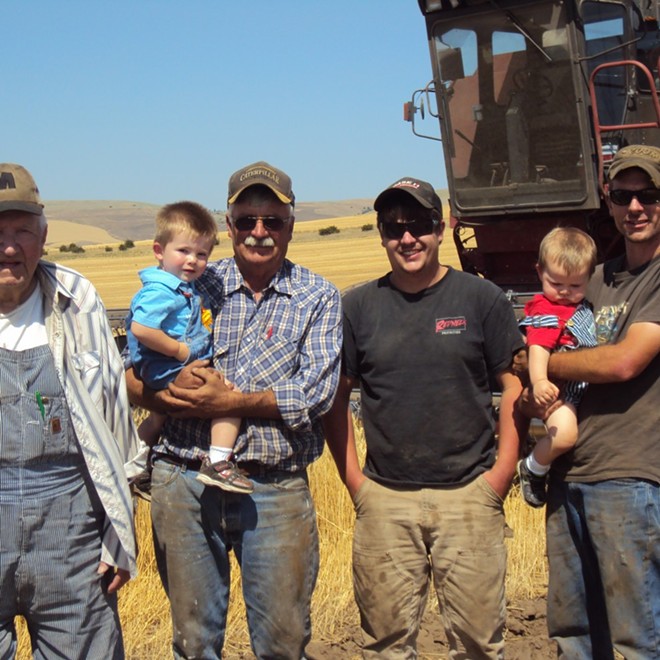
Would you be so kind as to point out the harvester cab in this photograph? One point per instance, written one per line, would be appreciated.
(533, 98)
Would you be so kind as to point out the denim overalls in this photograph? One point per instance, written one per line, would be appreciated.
(50, 521)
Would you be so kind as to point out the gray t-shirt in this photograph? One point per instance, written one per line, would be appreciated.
(425, 363)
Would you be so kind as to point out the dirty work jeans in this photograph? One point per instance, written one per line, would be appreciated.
(403, 537)
(274, 537)
(604, 555)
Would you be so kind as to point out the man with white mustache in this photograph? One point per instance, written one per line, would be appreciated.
(277, 337)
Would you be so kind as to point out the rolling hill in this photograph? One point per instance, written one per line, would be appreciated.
(115, 221)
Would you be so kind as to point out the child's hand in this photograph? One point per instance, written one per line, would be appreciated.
(183, 353)
(545, 392)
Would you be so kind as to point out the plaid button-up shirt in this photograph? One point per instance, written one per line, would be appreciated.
(288, 342)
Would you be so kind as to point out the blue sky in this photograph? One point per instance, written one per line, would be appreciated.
(159, 100)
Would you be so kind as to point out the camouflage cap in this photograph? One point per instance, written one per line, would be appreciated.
(421, 191)
(645, 157)
(18, 191)
(261, 173)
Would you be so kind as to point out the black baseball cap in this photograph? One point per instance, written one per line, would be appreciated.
(420, 191)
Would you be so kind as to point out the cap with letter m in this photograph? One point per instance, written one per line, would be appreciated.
(18, 191)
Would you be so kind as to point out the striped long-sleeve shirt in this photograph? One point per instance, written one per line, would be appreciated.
(289, 342)
(92, 375)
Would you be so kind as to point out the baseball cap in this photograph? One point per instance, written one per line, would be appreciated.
(419, 190)
(645, 157)
(261, 173)
(18, 191)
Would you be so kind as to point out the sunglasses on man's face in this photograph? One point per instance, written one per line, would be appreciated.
(416, 228)
(249, 222)
(622, 197)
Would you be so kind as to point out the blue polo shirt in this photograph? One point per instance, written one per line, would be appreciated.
(169, 304)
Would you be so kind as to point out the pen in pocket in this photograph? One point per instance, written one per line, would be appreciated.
(40, 403)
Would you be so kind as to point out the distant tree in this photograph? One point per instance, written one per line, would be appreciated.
(71, 247)
(122, 247)
(368, 227)
(326, 231)
(108, 248)
(128, 243)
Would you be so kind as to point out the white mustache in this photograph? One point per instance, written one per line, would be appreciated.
(251, 241)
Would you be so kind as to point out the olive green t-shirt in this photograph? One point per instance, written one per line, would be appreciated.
(619, 432)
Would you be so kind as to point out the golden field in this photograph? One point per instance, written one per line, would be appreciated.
(346, 258)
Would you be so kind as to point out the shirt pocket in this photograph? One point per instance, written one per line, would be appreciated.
(276, 357)
(88, 366)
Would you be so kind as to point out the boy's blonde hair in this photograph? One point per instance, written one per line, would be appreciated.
(570, 248)
(189, 217)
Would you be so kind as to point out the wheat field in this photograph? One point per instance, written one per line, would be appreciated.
(346, 258)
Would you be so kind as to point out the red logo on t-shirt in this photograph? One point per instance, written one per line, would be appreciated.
(451, 326)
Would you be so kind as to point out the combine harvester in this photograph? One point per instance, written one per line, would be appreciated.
(533, 98)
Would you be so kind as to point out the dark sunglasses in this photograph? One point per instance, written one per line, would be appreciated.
(249, 222)
(622, 197)
(416, 228)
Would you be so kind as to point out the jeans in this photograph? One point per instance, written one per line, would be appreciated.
(604, 555)
(274, 537)
(403, 537)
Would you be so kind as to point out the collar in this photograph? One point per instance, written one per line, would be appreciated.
(280, 282)
(158, 275)
(51, 285)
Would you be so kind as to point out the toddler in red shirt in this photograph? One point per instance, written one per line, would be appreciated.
(557, 319)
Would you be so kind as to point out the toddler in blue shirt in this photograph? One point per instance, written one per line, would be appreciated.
(166, 329)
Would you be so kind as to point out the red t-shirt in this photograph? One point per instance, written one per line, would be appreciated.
(550, 338)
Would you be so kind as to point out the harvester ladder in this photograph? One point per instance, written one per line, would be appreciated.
(599, 128)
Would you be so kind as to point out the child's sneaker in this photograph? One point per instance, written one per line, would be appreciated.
(532, 486)
(225, 475)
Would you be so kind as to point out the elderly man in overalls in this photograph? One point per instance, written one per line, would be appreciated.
(67, 541)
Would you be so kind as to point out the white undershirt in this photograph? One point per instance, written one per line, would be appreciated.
(24, 327)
